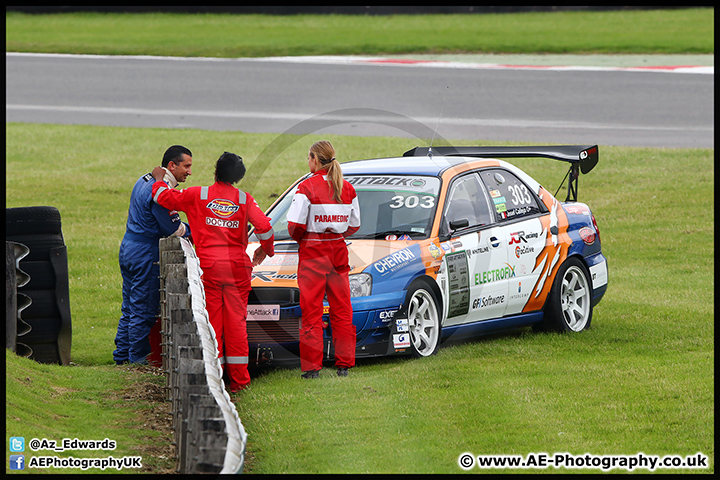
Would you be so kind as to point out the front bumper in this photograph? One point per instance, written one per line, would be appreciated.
(277, 342)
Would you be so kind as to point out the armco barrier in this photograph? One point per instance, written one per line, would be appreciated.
(207, 432)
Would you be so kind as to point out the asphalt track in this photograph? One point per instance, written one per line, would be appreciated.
(654, 101)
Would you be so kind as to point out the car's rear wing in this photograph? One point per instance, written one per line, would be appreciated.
(582, 158)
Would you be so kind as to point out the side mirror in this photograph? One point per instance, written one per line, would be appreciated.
(458, 224)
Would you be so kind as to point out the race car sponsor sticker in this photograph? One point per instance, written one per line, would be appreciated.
(281, 259)
(386, 180)
(519, 251)
(262, 313)
(488, 301)
(387, 315)
(401, 340)
(435, 251)
(402, 325)
(577, 209)
(495, 274)
(395, 261)
(458, 278)
(270, 275)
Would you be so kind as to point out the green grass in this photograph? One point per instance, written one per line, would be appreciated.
(55, 403)
(640, 380)
(222, 35)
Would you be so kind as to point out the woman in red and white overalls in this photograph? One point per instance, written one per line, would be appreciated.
(324, 211)
(218, 216)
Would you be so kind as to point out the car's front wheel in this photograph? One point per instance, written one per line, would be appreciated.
(569, 304)
(423, 320)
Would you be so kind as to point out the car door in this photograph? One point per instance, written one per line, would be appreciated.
(477, 265)
(517, 211)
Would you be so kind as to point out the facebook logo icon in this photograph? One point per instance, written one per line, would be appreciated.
(17, 462)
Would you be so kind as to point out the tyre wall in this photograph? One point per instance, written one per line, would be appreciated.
(47, 335)
(208, 434)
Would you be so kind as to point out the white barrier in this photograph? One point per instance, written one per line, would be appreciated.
(237, 437)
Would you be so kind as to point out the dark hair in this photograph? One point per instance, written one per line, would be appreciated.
(174, 154)
(229, 168)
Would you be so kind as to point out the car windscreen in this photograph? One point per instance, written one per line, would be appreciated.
(389, 205)
(399, 205)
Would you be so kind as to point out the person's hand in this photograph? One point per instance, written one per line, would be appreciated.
(158, 173)
(258, 256)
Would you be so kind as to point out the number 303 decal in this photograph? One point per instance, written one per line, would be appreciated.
(520, 194)
(412, 201)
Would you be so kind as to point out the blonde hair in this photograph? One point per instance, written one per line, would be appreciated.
(324, 152)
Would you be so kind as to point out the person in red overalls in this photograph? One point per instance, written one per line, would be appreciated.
(324, 211)
(218, 216)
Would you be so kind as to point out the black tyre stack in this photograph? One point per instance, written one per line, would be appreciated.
(39, 229)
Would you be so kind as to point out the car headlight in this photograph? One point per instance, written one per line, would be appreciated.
(360, 285)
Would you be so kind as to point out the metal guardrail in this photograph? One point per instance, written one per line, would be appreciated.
(207, 432)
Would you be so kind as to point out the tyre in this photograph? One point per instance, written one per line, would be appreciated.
(48, 316)
(41, 273)
(44, 304)
(32, 220)
(423, 320)
(45, 353)
(44, 331)
(569, 304)
(39, 244)
(50, 340)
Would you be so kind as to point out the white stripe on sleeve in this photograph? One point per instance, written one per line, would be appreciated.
(299, 209)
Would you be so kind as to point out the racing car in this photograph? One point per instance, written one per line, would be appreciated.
(455, 242)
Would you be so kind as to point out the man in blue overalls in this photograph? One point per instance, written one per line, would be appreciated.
(147, 222)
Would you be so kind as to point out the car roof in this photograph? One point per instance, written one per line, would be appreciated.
(434, 166)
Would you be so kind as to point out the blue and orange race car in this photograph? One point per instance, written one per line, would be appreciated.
(454, 243)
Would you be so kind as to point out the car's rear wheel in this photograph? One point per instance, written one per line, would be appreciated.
(569, 305)
(423, 320)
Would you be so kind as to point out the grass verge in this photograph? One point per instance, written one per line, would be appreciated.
(122, 404)
(222, 35)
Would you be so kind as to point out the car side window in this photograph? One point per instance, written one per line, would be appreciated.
(466, 201)
(510, 196)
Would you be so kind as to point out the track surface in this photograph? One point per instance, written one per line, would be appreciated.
(627, 100)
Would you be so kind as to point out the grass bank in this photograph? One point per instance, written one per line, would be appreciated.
(121, 404)
(686, 31)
